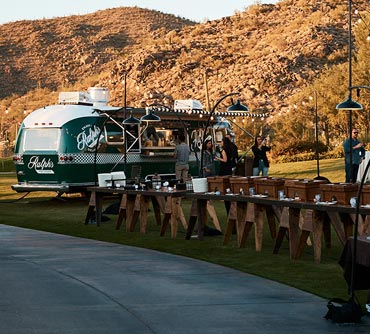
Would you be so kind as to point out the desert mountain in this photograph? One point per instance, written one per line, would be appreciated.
(267, 52)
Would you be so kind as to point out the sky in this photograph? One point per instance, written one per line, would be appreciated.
(196, 10)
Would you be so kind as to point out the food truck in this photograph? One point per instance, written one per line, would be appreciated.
(64, 147)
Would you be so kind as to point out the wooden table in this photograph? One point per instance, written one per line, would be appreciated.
(135, 203)
(297, 218)
(96, 201)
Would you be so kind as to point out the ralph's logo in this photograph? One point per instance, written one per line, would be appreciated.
(41, 166)
(87, 138)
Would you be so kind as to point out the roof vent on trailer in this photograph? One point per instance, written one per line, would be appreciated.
(187, 105)
(99, 95)
(75, 98)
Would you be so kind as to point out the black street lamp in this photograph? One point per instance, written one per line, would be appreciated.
(351, 105)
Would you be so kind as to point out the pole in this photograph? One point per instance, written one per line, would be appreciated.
(350, 85)
(206, 89)
(124, 125)
(317, 137)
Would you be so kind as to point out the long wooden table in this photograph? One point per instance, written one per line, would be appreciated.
(134, 204)
(297, 218)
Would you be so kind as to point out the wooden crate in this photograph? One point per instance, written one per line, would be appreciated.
(341, 191)
(304, 189)
(269, 186)
(218, 183)
(241, 183)
(365, 194)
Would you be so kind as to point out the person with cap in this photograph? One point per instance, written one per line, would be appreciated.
(358, 154)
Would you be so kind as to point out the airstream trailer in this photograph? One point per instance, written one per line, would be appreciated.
(64, 147)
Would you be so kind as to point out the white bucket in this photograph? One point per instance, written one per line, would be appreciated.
(200, 185)
(103, 180)
(119, 179)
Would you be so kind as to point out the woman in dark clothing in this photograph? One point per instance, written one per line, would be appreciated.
(227, 159)
(227, 162)
(260, 161)
(208, 159)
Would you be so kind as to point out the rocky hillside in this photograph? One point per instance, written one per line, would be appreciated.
(267, 52)
(59, 52)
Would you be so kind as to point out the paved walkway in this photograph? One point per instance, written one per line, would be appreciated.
(52, 283)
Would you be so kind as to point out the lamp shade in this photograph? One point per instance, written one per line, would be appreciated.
(349, 104)
(150, 118)
(131, 120)
(238, 107)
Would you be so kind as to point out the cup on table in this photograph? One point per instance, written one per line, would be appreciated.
(281, 194)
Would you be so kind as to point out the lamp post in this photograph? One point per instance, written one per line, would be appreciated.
(124, 116)
(318, 177)
(351, 105)
(236, 107)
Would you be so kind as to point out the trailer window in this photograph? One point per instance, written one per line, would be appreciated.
(41, 139)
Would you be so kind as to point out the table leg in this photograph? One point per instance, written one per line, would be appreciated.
(336, 221)
(192, 219)
(241, 217)
(157, 210)
(231, 223)
(167, 216)
(130, 206)
(180, 214)
(366, 228)
(307, 221)
(144, 206)
(293, 230)
(318, 230)
(283, 216)
(213, 215)
(259, 211)
(271, 221)
(202, 214)
(289, 222)
(121, 211)
(98, 208)
(327, 230)
(90, 211)
(174, 205)
(136, 214)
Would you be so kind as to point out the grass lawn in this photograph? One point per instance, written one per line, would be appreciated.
(66, 215)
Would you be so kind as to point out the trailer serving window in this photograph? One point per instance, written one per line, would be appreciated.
(41, 139)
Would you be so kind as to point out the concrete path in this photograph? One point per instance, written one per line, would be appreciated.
(52, 283)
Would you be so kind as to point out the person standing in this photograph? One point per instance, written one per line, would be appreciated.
(235, 153)
(227, 158)
(208, 159)
(227, 163)
(260, 161)
(182, 152)
(358, 154)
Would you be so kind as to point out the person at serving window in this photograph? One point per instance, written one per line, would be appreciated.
(260, 162)
(358, 154)
(182, 152)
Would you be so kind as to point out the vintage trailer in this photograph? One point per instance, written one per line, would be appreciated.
(64, 147)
